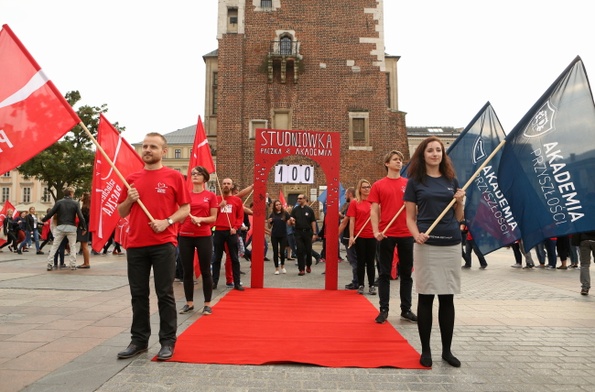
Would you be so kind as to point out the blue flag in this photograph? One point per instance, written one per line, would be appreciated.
(487, 213)
(547, 165)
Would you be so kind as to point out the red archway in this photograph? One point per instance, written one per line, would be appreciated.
(270, 146)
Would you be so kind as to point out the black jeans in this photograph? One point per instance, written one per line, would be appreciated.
(386, 249)
(162, 258)
(204, 247)
(366, 254)
(303, 240)
(279, 244)
(220, 238)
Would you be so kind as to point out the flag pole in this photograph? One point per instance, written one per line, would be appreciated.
(360, 230)
(479, 169)
(113, 166)
(394, 218)
(248, 197)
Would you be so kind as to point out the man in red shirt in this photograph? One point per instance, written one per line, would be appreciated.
(230, 218)
(153, 244)
(386, 197)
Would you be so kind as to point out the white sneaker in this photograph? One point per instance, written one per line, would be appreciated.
(284, 270)
(276, 272)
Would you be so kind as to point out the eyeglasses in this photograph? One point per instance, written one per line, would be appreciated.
(366, 187)
(300, 198)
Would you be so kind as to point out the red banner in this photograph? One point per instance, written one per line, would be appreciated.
(201, 153)
(107, 186)
(33, 113)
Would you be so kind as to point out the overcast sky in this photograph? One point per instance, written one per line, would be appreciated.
(144, 59)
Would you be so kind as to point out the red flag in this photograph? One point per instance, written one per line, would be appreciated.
(7, 206)
(107, 186)
(201, 153)
(282, 199)
(33, 113)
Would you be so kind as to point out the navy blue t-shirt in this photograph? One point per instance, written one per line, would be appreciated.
(431, 198)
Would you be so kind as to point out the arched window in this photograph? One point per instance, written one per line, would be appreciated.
(286, 45)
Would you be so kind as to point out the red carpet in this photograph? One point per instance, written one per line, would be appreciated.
(318, 327)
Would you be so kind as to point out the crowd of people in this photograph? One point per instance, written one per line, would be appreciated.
(389, 228)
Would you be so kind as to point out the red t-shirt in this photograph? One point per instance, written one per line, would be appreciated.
(388, 192)
(232, 212)
(200, 206)
(162, 192)
(361, 212)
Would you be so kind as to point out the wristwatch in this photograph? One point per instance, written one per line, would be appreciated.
(170, 221)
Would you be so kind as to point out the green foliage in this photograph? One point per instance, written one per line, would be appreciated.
(70, 160)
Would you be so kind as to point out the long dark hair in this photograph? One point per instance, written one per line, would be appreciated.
(417, 165)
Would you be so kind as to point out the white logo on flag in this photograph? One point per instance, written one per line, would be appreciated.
(542, 122)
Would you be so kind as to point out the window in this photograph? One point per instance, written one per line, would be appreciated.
(27, 195)
(266, 3)
(358, 129)
(7, 174)
(388, 90)
(254, 125)
(215, 92)
(285, 46)
(46, 195)
(5, 194)
(178, 153)
(232, 20)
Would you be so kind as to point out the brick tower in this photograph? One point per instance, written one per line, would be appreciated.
(303, 65)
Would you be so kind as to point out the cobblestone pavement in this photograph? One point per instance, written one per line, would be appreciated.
(515, 330)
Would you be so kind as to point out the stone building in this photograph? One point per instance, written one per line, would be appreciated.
(302, 65)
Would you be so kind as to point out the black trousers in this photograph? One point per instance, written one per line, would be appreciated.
(204, 248)
(162, 258)
(303, 240)
(386, 249)
(220, 238)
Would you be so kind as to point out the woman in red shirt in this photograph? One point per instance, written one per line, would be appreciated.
(195, 233)
(365, 243)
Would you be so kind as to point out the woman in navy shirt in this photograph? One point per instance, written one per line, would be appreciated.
(437, 256)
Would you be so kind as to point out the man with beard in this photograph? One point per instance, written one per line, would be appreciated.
(153, 244)
(230, 217)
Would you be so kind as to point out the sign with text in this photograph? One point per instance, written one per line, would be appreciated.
(294, 174)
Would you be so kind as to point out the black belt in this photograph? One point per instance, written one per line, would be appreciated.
(304, 229)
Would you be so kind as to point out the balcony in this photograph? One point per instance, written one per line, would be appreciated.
(285, 54)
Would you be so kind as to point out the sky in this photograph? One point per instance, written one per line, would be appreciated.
(144, 59)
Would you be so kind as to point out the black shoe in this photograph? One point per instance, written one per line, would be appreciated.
(242, 273)
(39, 252)
(452, 360)
(165, 353)
(425, 360)
(131, 351)
(266, 259)
(409, 316)
(585, 292)
(351, 286)
(381, 318)
(239, 288)
(19, 251)
(186, 309)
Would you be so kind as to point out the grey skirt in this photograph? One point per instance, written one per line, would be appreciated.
(437, 269)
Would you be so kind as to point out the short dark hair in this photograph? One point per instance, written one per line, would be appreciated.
(205, 173)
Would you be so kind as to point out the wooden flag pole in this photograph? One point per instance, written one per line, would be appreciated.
(360, 230)
(394, 218)
(113, 166)
(479, 169)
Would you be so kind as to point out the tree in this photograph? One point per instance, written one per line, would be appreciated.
(68, 162)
